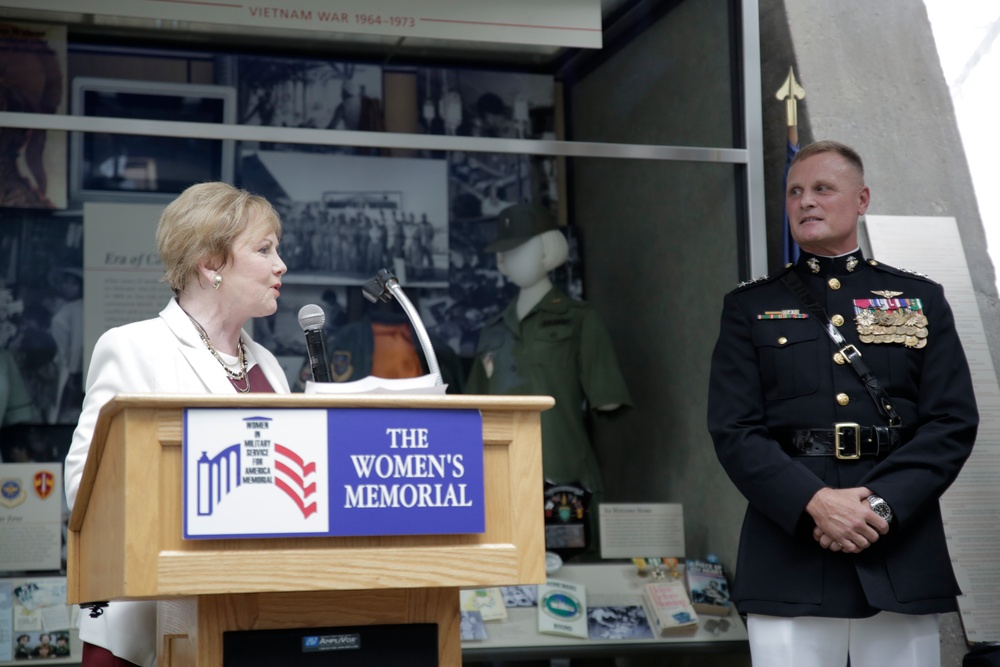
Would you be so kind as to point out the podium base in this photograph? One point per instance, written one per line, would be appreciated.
(194, 631)
(415, 645)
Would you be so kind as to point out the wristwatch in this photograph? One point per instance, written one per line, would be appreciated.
(880, 507)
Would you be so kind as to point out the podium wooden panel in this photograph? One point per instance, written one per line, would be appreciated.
(125, 534)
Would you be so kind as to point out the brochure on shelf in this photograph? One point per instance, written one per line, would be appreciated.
(562, 608)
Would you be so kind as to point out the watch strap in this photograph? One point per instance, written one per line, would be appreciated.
(880, 506)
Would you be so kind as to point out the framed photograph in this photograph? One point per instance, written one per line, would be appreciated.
(347, 216)
(124, 167)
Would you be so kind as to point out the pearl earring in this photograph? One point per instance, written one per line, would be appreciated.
(216, 281)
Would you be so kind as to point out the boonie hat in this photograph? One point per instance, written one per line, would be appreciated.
(520, 222)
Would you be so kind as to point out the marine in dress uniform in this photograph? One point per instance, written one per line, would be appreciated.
(791, 418)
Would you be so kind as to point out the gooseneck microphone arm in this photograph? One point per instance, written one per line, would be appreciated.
(384, 286)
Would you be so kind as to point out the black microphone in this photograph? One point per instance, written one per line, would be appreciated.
(312, 319)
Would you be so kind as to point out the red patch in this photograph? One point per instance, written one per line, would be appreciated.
(44, 484)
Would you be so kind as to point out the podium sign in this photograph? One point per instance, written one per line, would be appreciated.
(268, 473)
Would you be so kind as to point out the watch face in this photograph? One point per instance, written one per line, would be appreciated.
(880, 507)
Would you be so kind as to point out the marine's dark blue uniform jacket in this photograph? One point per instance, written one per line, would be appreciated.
(769, 375)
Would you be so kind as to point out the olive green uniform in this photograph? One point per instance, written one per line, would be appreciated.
(560, 349)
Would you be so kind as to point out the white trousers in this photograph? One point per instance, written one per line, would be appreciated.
(884, 640)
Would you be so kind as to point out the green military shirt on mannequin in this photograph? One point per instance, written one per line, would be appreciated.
(560, 349)
(545, 343)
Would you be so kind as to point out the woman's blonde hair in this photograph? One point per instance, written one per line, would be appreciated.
(202, 223)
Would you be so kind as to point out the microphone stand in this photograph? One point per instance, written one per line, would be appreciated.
(385, 286)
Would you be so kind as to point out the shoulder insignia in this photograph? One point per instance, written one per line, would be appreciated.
(765, 278)
(747, 283)
(900, 272)
(916, 273)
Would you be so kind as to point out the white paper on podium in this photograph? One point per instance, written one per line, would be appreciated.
(424, 384)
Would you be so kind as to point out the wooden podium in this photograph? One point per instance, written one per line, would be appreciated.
(126, 536)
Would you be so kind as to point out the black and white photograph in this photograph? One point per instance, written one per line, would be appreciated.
(618, 622)
(486, 103)
(483, 184)
(345, 217)
(519, 596)
(289, 92)
(33, 75)
(478, 291)
(473, 628)
(41, 312)
(493, 104)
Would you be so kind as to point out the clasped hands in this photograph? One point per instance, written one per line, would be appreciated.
(844, 519)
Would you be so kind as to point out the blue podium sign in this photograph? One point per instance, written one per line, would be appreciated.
(332, 472)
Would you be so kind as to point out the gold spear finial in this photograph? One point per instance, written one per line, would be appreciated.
(791, 91)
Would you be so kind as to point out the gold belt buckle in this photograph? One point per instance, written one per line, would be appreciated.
(837, 441)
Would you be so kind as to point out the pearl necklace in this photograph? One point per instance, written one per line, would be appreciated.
(235, 376)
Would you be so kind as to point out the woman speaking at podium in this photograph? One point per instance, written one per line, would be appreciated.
(219, 248)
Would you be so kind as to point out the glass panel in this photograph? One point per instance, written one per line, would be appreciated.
(672, 85)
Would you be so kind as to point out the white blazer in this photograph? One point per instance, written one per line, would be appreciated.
(164, 355)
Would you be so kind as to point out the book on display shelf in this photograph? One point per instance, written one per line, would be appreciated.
(668, 607)
(487, 601)
(708, 587)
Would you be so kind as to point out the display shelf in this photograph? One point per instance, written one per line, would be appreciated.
(617, 584)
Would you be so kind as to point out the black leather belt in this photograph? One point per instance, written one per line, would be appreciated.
(845, 441)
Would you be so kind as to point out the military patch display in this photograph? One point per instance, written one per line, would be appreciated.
(891, 320)
(567, 523)
(340, 365)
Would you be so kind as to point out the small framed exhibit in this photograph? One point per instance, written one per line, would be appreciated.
(126, 167)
